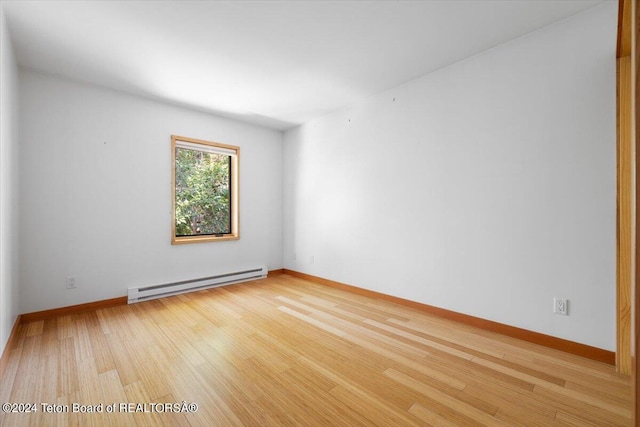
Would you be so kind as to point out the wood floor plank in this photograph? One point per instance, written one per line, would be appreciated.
(513, 400)
(90, 393)
(123, 357)
(574, 395)
(354, 329)
(284, 351)
(584, 410)
(28, 377)
(113, 391)
(447, 400)
(431, 417)
(575, 421)
(171, 418)
(35, 328)
(137, 393)
(9, 379)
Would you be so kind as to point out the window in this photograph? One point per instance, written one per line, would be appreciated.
(204, 191)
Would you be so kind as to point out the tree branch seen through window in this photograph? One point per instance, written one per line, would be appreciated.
(205, 191)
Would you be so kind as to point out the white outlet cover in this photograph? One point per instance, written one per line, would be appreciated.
(71, 283)
(561, 306)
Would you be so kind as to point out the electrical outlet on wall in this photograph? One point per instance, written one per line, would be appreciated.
(72, 282)
(561, 306)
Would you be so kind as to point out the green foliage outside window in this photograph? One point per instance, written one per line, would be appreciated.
(202, 191)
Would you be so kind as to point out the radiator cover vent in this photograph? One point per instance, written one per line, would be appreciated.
(146, 293)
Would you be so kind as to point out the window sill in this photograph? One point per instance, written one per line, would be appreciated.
(202, 239)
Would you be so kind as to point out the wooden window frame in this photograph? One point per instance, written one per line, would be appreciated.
(235, 191)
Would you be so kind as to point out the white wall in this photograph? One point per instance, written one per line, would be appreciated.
(95, 184)
(487, 187)
(8, 185)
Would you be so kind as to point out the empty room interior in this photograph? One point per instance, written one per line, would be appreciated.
(318, 213)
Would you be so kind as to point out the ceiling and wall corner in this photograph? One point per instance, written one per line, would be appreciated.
(277, 64)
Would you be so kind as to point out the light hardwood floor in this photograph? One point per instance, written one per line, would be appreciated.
(284, 351)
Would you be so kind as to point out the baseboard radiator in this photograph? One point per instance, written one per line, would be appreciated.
(146, 293)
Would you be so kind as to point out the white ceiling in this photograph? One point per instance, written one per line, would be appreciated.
(273, 63)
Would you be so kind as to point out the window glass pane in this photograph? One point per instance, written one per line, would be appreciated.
(202, 191)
